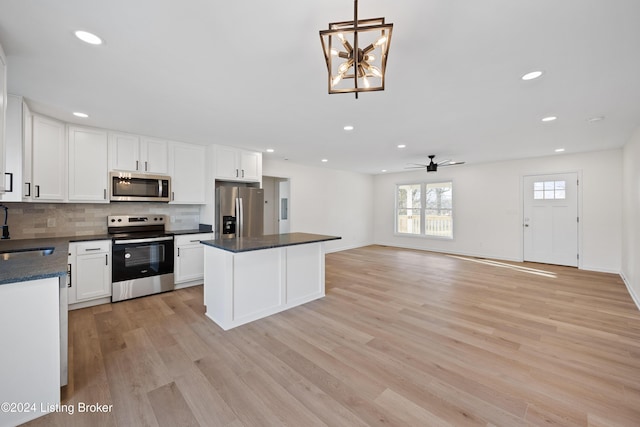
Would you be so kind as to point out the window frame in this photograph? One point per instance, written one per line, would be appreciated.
(423, 209)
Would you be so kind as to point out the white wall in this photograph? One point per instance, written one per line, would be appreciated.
(327, 201)
(631, 216)
(488, 207)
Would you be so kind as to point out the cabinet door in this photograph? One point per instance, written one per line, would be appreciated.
(13, 154)
(188, 173)
(250, 166)
(88, 169)
(154, 155)
(49, 159)
(189, 263)
(124, 152)
(92, 276)
(27, 150)
(3, 115)
(226, 163)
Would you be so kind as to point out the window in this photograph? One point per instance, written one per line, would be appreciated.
(549, 190)
(425, 209)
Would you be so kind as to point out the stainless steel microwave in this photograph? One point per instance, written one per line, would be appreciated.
(139, 187)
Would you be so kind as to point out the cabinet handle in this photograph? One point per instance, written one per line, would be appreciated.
(193, 241)
(178, 251)
(70, 275)
(173, 196)
(106, 259)
(10, 190)
(236, 173)
(92, 249)
(37, 191)
(145, 166)
(243, 173)
(105, 194)
(136, 165)
(28, 184)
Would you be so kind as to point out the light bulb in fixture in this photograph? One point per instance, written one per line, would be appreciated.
(375, 71)
(270, 150)
(88, 37)
(380, 41)
(532, 75)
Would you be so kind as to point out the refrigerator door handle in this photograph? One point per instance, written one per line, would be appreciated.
(241, 218)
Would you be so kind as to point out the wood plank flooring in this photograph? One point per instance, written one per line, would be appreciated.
(403, 338)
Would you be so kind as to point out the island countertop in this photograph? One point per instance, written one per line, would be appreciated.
(269, 241)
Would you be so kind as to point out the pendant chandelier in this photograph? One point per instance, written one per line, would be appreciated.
(353, 69)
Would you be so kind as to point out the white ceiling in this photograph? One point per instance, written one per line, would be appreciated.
(252, 74)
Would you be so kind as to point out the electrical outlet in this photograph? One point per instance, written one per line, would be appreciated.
(51, 222)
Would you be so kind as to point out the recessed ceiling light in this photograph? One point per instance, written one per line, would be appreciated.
(532, 75)
(348, 127)
(324, 160)
(83, 115)
(402, 146)
(270, 150)
(559, 150)
(384, 170)
(595, 119)
(549, 119)
(88, 37)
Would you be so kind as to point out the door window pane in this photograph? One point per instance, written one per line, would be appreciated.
(549, 190)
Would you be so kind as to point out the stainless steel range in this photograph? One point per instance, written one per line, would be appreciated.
(142, 256)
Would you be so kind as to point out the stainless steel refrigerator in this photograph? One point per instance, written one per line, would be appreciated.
(239, 211)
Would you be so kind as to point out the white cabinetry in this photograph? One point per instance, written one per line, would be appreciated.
(189, 261)
(13, 154)
(88, 166)
(49, 165)
(235, 164)
(30, 356)
(187, 170)
(137, 154)
(3, 115)
(90, 268)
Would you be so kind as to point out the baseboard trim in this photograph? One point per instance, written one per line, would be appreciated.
(634, 297)
(461, 253)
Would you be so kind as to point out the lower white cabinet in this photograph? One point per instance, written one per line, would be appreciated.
(89, 271)
(189, 258)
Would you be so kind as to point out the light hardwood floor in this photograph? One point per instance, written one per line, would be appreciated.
(403, 338)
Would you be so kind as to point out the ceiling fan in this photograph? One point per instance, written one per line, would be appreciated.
(433, 166)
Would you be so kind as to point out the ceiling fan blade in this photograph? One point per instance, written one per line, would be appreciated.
(452, 164)
(415, 167)
(443, 162)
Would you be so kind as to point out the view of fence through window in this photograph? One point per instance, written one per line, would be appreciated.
(425, 209)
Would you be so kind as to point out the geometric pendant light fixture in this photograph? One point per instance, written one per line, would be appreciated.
(356, 54)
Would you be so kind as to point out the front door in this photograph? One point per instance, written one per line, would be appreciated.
(550, 220)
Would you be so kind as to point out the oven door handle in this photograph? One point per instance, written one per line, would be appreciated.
(147, 240)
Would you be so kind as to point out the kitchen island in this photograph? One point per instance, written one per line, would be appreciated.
(248, 278)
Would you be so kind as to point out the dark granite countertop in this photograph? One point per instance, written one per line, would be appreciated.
(246, 244)
(183, 232)
(22, 268)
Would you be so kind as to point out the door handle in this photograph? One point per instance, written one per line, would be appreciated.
(526, 225)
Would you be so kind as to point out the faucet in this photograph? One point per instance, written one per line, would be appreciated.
(5, 227)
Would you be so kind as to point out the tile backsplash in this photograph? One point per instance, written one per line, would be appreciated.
(34, 220)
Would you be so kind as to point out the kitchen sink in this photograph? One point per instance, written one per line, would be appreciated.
(25, 253)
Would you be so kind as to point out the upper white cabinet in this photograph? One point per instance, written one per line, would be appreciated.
(3, 115)
(49, 165)
(235, 164)
(187, 170)
(137, 154)
(13, 154)
(88, 166)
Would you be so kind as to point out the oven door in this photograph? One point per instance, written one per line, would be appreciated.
(141, 267)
